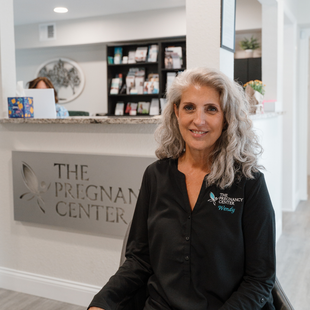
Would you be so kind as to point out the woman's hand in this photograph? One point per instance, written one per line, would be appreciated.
(95, 308)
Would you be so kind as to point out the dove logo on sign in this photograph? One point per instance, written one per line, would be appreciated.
(35, 189)
(213, 198)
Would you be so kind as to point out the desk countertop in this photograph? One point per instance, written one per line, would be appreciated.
(109, 119)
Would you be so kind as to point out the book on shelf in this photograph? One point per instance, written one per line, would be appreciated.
(119, 108)
(173, 57)
(131, 57)
(153, 52)
(143, 107)
(170, 78)
(154, 108)
(115, 86)
(118, 54)
(141, 53)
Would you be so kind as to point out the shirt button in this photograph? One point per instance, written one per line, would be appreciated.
(186, 258)
(186, 238)
(189, 217)
(262, 300)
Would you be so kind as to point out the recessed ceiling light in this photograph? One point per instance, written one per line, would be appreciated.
(61, 10)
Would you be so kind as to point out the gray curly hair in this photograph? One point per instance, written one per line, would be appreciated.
(236, 151)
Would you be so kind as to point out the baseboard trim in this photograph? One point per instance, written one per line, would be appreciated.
(48, 287)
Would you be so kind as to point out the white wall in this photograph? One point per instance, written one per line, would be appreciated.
(270, 136)
(109, 28)
(92, 60)
(7, 61)
(248, 15)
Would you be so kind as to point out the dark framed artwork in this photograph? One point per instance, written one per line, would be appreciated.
(228, 25)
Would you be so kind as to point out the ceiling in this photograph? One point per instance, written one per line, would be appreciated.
(41, 11)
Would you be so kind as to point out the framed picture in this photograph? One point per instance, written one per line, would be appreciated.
(228, 25)
(66, 76)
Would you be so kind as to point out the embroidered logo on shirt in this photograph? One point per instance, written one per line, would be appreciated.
(223, 199)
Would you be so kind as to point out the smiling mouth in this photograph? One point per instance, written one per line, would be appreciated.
(197, 132)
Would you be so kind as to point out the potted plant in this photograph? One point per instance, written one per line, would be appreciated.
(255, 91)
(249, 45)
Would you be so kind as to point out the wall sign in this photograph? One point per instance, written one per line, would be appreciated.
(93, 193)
(228, 25)
(66, 76)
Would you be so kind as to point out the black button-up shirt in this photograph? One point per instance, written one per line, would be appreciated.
(221, 255)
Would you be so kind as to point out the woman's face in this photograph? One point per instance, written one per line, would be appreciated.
(200, 118)
(41, 84)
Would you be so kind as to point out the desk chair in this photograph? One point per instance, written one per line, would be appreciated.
(78, 113)
(280, 300)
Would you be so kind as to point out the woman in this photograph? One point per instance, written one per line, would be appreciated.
(44, 82)
(203, 232)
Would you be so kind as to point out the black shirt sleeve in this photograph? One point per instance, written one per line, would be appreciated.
(258, 224)
(136, 269)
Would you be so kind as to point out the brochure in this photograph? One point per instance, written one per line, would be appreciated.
(154, 109)
(118, 54)
(119, 108)
(131, 57)
(173, 57)
(170, 78)
(143, 107)
(141, 54)
(153, 52)
(115, 85)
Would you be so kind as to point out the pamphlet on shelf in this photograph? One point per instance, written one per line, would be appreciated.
(130, 79)
(141, 53)
(143, 107)
(115, 84)
(170, 78)
(153, 52)
(173, 57)
(153, 77)
(154, 108)
(131, 57)
(151, 87)
(133, 108)
(139, 80)
(118, 54)
(119, 108)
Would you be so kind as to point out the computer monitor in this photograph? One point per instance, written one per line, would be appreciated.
(43, 102)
